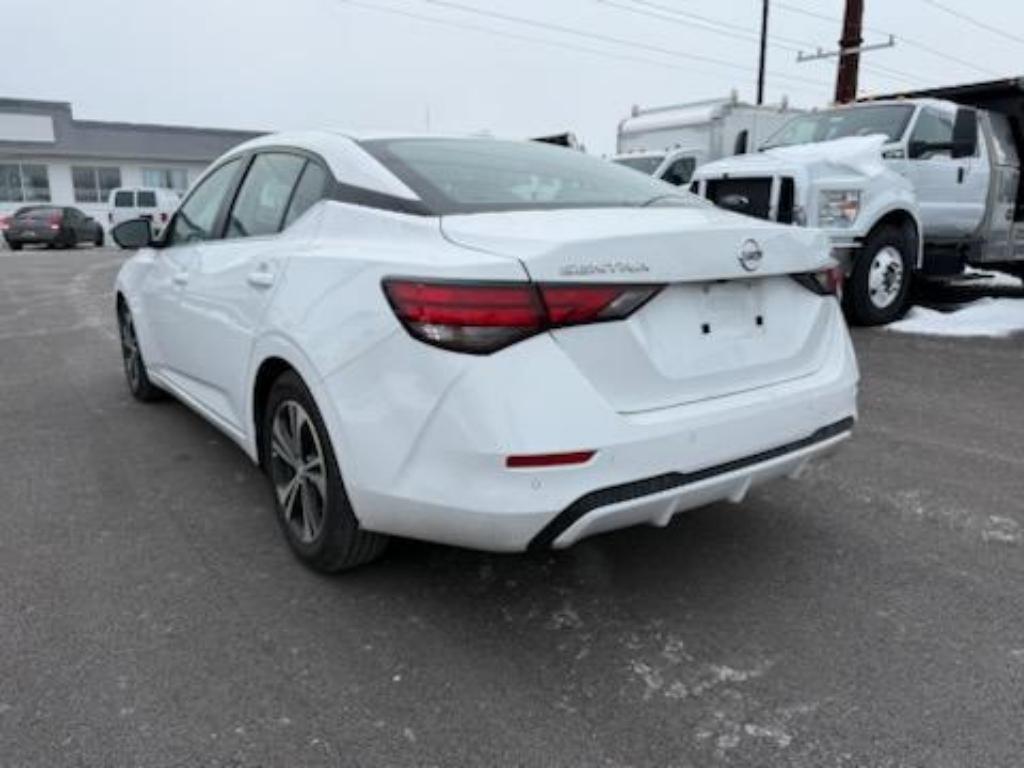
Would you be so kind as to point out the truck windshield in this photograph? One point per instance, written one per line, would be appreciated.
(890, 120)
(484, 175)
(644, 163)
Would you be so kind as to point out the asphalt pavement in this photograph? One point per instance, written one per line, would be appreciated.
(869, 614)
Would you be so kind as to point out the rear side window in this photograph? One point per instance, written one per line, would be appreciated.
(197, 217)
(310, 189)
(260, 206)
(124, 199)
(147, 199)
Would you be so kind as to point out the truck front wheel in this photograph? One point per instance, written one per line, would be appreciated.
(879, 285)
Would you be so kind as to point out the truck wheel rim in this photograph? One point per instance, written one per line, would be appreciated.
(885, 277)
(299, 471)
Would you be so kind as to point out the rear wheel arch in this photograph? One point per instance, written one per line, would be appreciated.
(269, 371)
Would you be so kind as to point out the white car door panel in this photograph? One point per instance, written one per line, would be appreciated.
(228, 291)
(161, 294)
(221, 311)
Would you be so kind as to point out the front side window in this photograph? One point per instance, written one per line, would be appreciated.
(829, 124)
(680, 171)
(24, 183)
(197, 217)
(146, 198)
(933, 128)
(93, 184)
(481, 175)
(260, 206)
(125, 198)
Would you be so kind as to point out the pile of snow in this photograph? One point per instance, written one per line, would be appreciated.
(991, 278)
(985, 317)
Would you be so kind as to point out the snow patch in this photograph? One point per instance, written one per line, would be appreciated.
(985, 317)
(992, 278)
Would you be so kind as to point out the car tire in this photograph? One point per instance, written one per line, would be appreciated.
(879, 286)
(310, 502)
(98, 240)
(139, 385)
(14, 246)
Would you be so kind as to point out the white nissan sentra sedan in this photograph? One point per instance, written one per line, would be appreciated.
(493, 344)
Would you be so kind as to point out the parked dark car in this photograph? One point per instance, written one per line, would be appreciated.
(53, 226)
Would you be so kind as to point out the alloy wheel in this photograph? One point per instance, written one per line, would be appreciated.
(298, 471)
(130, 351)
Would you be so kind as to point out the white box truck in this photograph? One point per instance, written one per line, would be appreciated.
(925, 182)
(671, 142)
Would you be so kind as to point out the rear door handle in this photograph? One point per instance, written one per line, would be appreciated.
(960, 172)
(261, 278)
(180, 277)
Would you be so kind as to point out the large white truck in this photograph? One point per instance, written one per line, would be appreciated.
(918, 183)
(671, 142)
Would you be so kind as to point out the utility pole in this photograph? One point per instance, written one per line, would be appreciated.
(849, 52)
(764, 50)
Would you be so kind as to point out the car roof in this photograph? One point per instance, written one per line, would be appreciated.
(349, 162)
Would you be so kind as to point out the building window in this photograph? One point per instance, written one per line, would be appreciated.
(94, 185)
(23, 183)
(165, 178)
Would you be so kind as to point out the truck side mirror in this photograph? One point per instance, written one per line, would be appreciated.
(965, 132)
(740, 147)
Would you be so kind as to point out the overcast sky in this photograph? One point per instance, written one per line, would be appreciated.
(418, 64)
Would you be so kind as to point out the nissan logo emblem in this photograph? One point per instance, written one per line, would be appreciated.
(750, 255)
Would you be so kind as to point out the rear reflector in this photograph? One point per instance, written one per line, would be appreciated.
(548, 459)
(483, 317)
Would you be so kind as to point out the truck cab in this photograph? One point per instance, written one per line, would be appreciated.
(671, 142)
(675, 166)
(923, 183)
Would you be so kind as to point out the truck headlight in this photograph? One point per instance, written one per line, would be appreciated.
(838, 207)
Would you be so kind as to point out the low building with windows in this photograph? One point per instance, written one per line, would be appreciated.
(48, 156)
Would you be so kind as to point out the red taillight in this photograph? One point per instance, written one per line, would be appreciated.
(535, 460)
(483, 317)
(55, 221)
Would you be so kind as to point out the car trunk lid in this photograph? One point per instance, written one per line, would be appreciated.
(718, 327)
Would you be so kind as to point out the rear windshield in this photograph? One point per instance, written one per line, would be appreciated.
(644, 163)
(483, 175)
(124, 200)
(36, 211)
(890, 120)
(147, 199)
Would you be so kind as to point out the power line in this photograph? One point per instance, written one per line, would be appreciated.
(909, 41)
(607, 39)
(718, 22)
(682, 18)
(559, 44)
(975, 22)
(672, 19)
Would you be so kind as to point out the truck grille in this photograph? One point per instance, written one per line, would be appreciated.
(753, 197)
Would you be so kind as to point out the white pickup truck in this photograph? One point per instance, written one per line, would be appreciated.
(919, 183)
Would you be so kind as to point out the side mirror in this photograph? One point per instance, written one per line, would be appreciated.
(965, 132)
(917, 148)
(136, 233)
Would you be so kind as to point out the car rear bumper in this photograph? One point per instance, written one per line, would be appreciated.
(423, 445)
(42, 237)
